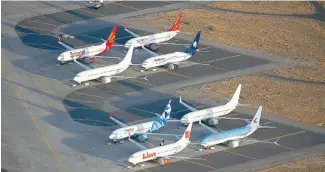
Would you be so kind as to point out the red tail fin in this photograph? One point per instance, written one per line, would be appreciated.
(111, 38)
(177, 24)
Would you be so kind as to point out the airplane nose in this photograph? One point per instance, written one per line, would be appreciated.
(60, 58)
(111, 136)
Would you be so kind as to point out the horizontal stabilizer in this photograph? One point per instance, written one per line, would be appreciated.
(266, 127)
(121, 124)
(186, 105)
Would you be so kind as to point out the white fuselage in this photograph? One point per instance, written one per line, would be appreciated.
(165, 59)
(149, 39)
(124, 132)
(81, 52)
(100, 72)
(150, 154)
(207, 113)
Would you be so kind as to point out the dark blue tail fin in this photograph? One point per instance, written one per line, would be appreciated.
(195, 45)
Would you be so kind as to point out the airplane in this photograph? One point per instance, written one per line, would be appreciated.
(141, 130)
(106, 73)
(234, 136)
(212, 114)
(172, 59)
(162, 153)
(87, 54)
(152, 41)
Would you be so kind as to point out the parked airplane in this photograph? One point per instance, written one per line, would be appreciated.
(234, 136)
(87, 54)
(212, 114)
(105, 73)
(141, 130)
(173, 59)
(152, 41)
(162, 153)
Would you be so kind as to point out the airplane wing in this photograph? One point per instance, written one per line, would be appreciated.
(82, 65)
(208, 128)
(150, 52)
(121, 124)
(140, 146)
(108, 57)
(186, 105)
(131, 33)
(158, 134)
(181, 157)
(257, 141)
(64, 45)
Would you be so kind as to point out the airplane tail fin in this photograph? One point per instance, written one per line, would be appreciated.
(195, 44)
(128, 56)
(187, 133)
(235, 98)
(167, 111)
(257, 117)
(111, 38)
(177, 25)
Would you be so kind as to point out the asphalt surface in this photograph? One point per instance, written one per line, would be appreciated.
(74, 123)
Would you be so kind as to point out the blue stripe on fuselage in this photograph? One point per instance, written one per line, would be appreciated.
(227, 134)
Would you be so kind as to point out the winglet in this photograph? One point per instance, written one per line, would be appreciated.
(180, 99)
(124, 26)
(110, 115)
(59, 39)
(176, 25)
(129, 135)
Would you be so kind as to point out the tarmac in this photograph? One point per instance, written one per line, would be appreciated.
(50, 126)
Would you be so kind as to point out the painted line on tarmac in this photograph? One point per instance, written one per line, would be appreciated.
(286, 135)
(41, 22)
(126, 6)
(238, 154)
(34, 121)
(90, 12)
(203, 165)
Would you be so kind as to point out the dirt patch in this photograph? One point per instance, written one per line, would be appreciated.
(314, 164)
(267, 7)
(290, 37)
(290, 99)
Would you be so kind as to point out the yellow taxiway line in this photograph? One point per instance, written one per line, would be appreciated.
(34, 120)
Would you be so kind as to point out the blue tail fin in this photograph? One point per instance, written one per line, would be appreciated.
(167, 111)
(195, 45)
(160, 122)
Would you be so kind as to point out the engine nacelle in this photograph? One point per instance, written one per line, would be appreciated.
(143, 138)
(213, 121)
(88, 60)
(153, 47)
(106, 80)
(162, 161)
(172, 66)
(233, 144)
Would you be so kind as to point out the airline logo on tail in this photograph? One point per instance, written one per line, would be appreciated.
(255, 120)
(177, 24)
(111, 38)
(160, 122)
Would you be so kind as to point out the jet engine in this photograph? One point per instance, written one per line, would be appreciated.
(162, 161)
(172, 66)
(106, 80)
(143, 138)
(233, 144)
(88, 60)
(213, 121)
(153, 47)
